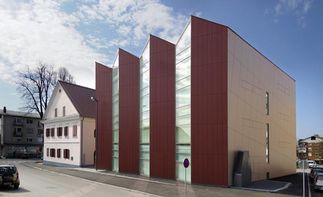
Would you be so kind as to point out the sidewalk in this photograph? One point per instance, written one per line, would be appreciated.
(158, 187)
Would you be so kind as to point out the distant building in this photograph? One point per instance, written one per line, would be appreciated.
(313, 148)
(69, 124)
(21, 134)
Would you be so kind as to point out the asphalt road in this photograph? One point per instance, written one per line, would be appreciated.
(34, 182)
(296, 189)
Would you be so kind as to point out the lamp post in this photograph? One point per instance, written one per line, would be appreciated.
(96, 132)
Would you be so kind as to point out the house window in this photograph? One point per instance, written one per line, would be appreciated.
(267, 143)
(64, 111)
(18, 121)
(52, 152)
(29, 121)
(66, 153)
(65, 131)
(75, 131)
(29, 140)
(18, 132)
(47, 152)
(39, 124)
(59, 131)
(40, 132)
(47, 132)
(59, 153)
(267, 103)
(52, 132)
(55, 112)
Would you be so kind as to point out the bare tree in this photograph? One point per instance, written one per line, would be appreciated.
(64, 75)
(36, 86)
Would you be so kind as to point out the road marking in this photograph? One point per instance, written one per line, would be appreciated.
(309, 187)
(114, 186)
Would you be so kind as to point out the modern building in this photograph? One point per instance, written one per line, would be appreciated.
(313, 148)
(69, 124)
(204, 98)
(21, 134)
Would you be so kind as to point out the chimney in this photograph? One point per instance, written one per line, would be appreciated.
(4, 109)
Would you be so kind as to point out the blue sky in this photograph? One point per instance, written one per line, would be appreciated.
(74, 34)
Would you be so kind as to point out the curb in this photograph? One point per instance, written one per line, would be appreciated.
(265, 190)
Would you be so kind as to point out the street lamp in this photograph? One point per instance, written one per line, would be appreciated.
(96, 132)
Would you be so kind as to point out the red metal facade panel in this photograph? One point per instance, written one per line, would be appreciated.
(104, 120)
(209, 137)
(128, 112)
(162, 108)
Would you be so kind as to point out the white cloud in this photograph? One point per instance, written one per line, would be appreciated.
(134, 20)
(301, 6)
(37, 31)
(298, 8)
(40, 30)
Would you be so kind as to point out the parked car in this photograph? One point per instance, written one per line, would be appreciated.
(9, 176)
(314, 171)
(318, 182)
(311, 163)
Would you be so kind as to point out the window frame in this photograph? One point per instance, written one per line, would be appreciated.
(47, 132)
(267, 143)
(58, 153)
(64, 111)
(52, 152)
(66, 132)
(267, 103)
(59, 131)
(74, 130)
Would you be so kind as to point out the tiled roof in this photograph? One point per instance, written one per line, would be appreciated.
(81, 98)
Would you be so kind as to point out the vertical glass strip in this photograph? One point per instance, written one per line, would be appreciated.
(115, 116)
(183, 104)
(144, 112)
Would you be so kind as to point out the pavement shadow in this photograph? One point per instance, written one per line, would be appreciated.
(8, 189)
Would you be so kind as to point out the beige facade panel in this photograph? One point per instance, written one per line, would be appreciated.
(250, 76)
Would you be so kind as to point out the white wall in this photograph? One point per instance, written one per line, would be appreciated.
(71, 118)
(58, 100)
(64, 142)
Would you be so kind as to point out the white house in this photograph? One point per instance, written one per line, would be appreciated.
(69, 125)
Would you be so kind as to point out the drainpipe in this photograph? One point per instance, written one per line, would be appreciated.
(94, 99)
(81, 142)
